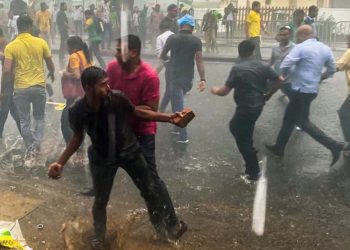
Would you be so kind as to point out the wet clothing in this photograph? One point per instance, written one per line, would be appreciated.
(157, 199)
(106, 155)
(249, 78)
(141, 87)
(95, 123)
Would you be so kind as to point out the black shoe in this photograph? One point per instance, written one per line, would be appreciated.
(273, 149)
(254, 177)
(337, 151)
(181, 230)
(89, 192)
(97, 243)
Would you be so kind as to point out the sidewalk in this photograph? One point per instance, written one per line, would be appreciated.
(227, 50)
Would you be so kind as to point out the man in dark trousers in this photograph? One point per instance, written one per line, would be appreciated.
(249, 77)
(104, 115)
(185, 49)
(63, 27)
(305, 64)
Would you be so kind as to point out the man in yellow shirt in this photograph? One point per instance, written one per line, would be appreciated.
(24, 57)
(343, 64)
(254, 26)
(43, 22)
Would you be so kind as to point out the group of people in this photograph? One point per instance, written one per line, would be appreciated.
(118, 107)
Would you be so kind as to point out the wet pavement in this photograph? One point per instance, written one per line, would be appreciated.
(307, 201)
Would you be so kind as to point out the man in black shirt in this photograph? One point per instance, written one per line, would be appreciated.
(249, 79)
(185, 48)
(171, 18)
(63, 27)
(103, 114)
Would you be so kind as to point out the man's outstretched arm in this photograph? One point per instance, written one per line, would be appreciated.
(56, 168)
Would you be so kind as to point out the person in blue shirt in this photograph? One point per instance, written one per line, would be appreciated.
(304, 66)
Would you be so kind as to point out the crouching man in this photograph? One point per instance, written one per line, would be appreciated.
(103, 114)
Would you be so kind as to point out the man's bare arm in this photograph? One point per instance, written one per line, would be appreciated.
(73, 145)
(221, 91)
(146, 113)
(51, 67)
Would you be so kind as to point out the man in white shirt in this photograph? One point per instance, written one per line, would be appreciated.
(78, 20)
(12, 25)
(160, 42)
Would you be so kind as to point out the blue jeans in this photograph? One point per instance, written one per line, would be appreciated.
(23, 98)
(178, 89)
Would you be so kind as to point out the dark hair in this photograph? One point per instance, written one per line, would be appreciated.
(24, 22)
(313, 8)
(76, 43)
(92, 76)
(246, 48)
(255, 4)
(299, 12)
(62, 4)
(88, 13)
(165, 25)
(134, 43)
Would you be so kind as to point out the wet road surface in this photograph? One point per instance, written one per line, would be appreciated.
(307, 202)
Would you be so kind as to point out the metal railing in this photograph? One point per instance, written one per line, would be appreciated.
(331, 33)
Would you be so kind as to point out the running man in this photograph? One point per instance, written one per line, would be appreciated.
(306, 61)
(249, 78)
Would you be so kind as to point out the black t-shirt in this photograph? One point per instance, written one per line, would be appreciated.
(117, 108)
(62, 22)
(183, 47)
(249, 78)
(174, 26)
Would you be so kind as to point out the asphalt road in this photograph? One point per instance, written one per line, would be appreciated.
(307, 202)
